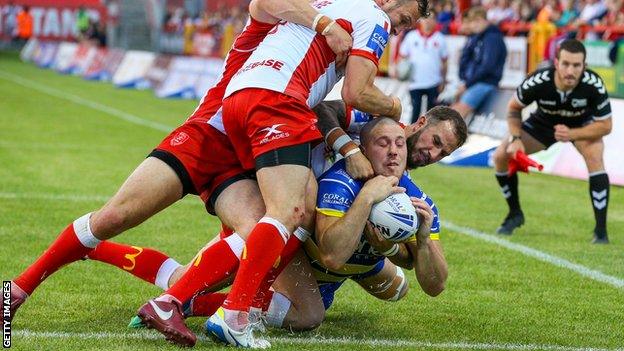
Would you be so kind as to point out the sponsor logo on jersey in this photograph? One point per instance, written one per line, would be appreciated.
(179, 139)
(548, 102)
(564, 113)
(378, 40)
(579, 102)
(273, 63)
(273, 133)
(335, 199)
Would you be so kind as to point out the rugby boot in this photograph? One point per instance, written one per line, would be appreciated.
(137, 323)
(217, 328)
(600, 238)
(512, 221)
(168, 319)
(18, 297)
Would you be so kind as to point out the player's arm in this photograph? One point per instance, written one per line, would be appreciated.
(301, 12)
(592, 131)
(338, 237)
(430, 265)
(360, 92)
(331, 121)
(514, 123)
(397, 253)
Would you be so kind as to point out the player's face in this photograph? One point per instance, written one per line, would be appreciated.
(570, 67)
(429, 143)
(402, 17)
(386, 150)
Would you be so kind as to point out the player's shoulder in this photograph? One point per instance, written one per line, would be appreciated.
(591, 80)
(414, 190)
(337, 177)
(538, 78)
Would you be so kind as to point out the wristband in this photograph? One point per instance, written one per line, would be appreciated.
(326, 30)
(321, 22)
(340, 142)
(391, 251)
(352, 152)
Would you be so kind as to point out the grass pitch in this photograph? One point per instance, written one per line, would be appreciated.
(65, 147)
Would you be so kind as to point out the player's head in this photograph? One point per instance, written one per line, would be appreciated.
(434, 136)
(383, 143)
(570, 63)
(403, 14)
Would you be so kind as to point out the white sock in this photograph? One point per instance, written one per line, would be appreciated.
(82, 228)
(277, 311)
(236, 244)
(165, 272)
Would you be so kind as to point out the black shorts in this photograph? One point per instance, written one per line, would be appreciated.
(543, 130)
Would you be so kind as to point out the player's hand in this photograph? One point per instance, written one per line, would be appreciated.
(380, 187)
(359, 167)
(340, 42)
(514, 147)
(375, 239)
(425, 216)
(562, 133)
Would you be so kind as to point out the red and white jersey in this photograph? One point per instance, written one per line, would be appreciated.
(296, 61)
(426, 53)
(244, 45)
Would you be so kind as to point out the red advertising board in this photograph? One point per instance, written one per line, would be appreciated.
(55, 19)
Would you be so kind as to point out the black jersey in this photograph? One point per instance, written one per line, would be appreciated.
(588, 100)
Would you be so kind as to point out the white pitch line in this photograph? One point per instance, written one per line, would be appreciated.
(542, 256)
(128, 117)
(315, 340)
(70, 197)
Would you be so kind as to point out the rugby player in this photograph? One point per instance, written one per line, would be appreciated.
(196, 158)
(572, 106)
(267, 118)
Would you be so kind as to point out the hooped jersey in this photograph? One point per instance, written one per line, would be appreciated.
(296, 61)
(244, 45)
(588, 100)
(336, 193)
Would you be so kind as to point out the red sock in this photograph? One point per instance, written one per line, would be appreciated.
(213, 266)
(206, 305)
(144, 263)
(262, 250)
(264, 295)
(65, 249)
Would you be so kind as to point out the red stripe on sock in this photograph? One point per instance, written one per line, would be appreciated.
(141, 262)
(65, 249)
(264, 295)
(263, 247)
(214, 265)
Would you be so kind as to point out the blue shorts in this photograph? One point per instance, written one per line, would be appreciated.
(328, 290)
(477, 94)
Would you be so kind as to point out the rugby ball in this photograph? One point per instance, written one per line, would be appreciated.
(395, 217)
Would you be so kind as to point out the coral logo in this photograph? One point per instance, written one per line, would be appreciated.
(378, 40)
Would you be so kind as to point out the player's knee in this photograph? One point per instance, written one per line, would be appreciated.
(291, 215)
(309, 317)
(109, 221)
(500, 157)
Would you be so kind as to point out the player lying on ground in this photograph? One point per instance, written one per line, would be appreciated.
(572, 106)
(194, 159)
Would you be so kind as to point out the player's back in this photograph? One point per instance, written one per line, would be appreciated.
(296, 61)
(244, 45)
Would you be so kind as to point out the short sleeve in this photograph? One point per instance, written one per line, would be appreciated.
(370, 36)
(335, 197)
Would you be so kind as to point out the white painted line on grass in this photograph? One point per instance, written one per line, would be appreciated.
(73, 197)
(128, 117)
(315, 340)
(542, 256)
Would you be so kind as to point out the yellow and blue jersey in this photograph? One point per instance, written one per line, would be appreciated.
(336, 193)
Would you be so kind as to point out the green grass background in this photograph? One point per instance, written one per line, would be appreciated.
(52, 146)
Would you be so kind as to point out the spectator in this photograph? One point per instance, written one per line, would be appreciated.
(500, 12)
(481, 63)
(82, 22)
(592, 12)
(9, 14)
(24, 25)
(568, 13)
(426, 51)
(446, 15)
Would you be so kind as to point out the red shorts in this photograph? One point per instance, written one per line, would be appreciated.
(202, 157)
(260, 120)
